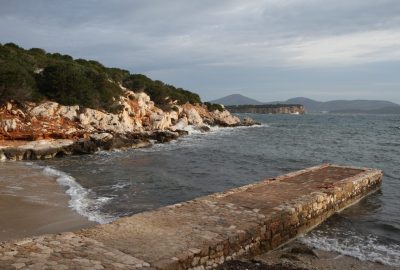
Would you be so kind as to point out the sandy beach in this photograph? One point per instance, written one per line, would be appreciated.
(32, 203)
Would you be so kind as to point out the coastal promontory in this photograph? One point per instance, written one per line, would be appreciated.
(53, 105)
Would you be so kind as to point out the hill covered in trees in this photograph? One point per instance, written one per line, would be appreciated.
(35, 75)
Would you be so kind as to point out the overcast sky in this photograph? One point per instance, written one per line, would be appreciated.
(265, 49)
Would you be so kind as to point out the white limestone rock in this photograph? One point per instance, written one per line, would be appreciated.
(9, 125)
(69, 112)
(181, 124)
(47, 110)
(225, 118)
(193, 117)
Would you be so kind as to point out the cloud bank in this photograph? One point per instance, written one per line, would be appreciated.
(271, 49)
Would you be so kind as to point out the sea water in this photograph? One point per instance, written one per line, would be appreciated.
(108, 185)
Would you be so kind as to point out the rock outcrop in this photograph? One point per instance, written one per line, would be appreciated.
(49, 129)
(247, 121)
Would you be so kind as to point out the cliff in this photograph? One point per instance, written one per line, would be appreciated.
(268, 109)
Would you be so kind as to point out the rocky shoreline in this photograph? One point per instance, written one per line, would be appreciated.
(298, 256)
(41, 131)
(50, 148)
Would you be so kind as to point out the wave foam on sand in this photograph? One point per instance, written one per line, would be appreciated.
(81, 199)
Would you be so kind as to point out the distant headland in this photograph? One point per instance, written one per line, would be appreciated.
(268, 109)
(313, 106)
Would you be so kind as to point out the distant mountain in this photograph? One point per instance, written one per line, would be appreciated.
(236, 99)
(334, 106)
(344, 105)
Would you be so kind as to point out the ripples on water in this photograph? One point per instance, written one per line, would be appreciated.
(122, 183)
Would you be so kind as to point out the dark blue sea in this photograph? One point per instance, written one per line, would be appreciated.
(108, 185)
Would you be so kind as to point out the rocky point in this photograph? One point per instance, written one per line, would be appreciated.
(48, 129)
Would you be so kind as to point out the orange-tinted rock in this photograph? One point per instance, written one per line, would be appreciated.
(50, 120)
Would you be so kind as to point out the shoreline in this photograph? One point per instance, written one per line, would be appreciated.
(24, 217)
(299, 256)
(32, 203)
(63, 220)
(180, 247)
(21, 219)
(42, 149)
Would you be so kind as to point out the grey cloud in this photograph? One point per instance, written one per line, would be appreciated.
(207, 45)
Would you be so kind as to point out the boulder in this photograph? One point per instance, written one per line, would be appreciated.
(160, 121)
(84, 146)
(108, 122)
(164, 136)
(101, 138)
(193, 117)
(128, 140)
(143, 101)
(46, 110)
(203, 128)
(40, 149)
(225, 118)
(247, 121)
(69, 112)
(9, 125)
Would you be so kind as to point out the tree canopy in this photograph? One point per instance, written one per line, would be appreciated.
(34, 75)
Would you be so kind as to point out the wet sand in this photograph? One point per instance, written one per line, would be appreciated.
(32, 203)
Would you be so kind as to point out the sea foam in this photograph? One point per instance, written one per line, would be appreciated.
(81, 199)
(362, 247)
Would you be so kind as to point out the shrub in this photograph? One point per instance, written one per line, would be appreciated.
(213, 106)
(76, 82)
(71, 84)
(16, 83)
(160, 92)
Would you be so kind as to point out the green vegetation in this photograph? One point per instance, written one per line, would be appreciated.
(158, 91)
(34, 75)
(213, 106)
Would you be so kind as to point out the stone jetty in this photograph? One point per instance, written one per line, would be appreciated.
(204, 232)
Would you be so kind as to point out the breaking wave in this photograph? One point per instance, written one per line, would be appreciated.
(363, 247)
(82, 200)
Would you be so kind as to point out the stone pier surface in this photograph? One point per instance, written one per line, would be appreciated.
(204, 232)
